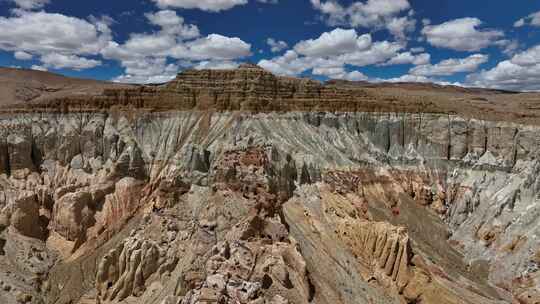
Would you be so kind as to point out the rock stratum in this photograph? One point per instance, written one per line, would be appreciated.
(238, 186)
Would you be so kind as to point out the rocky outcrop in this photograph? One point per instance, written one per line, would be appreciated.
(243, 259)
(333, 226)
(124, 270)
(72, 215)
(20, 154)
(24, 216)
(246, 272)
(382, 248)
(120, 204)
(4, 153)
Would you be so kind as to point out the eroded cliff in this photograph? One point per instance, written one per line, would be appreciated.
(232, 199)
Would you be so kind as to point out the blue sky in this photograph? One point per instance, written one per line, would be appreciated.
(471, 43)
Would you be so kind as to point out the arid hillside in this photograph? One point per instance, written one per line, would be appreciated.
(20, 86)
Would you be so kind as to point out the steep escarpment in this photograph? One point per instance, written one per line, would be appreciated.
(232, 201)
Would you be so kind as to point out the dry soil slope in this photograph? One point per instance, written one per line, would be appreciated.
(22, 86)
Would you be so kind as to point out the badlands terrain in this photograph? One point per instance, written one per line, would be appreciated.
(238, 186)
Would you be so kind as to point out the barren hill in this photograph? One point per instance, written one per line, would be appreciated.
(20, 86)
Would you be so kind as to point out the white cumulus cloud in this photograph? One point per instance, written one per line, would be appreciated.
(409, 58)
(58, 41)
(399, 27)
(276, 45)
(20, 55)
(38, 68)
(30, 4)
(520, 73)
(289, 64)
(205, 5)
(373, 14)
(532, 20)
(419, 79)
(450, 66)
(41, 32)
(220, 47)
(339, 73)
(336, 42)
(172, 24)
(461, 34)
(147, 70)
(332, 54)
(174, 41)
(529, 57)
(62, 61)
(216, 65)
(378, 52)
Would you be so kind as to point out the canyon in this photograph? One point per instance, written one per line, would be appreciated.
(239, 186)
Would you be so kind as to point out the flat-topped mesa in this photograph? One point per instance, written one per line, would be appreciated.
(250, 88)
(244, 78)
(246, 88)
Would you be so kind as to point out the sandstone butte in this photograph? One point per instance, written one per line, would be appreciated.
(238, 186)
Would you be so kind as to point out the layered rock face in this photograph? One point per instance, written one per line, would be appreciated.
(230, 206)
(251, 88)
